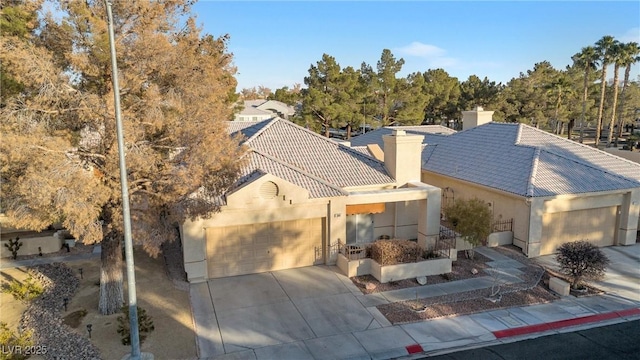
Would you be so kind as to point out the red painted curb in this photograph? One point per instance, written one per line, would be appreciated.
(413, 349)
(529, 329)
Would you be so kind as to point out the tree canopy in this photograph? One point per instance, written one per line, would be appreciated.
(546, 97)
(58, 154)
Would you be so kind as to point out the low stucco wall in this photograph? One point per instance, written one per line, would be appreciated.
(388, 273)
(47, 243)
(353, 268)
(500, 238)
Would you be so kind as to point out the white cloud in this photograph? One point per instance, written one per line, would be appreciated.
(632, 34)
(431, 56)
(419, 49)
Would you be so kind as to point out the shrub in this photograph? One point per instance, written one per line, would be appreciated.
(14, 246)
(25, 291)
(9, 340)
(145, 325)
(471, 219)
(581, 260)
(391, 252)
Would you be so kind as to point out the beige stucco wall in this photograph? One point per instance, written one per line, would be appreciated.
(247, 206)
(504, 206)
(626, 224)
(398, 221)
(47, 242)
(417, 215)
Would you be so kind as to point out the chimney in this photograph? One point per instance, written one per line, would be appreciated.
(476, 117)
(403, 156)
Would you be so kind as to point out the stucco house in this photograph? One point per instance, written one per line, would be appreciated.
(555, 190)
(301, 194)
(259, 110)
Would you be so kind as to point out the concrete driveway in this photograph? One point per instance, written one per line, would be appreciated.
(312, 312)
(623, 272)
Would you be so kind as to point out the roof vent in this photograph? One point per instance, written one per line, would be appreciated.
(269, 190)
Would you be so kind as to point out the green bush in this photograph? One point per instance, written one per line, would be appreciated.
(471, 219)
(9, 340)
(391, 252)
(581, 260)
(14, 246)
(145, 325)
(26, 290)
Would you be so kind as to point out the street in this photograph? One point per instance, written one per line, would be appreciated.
(619, 341)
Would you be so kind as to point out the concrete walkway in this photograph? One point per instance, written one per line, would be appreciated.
(9, 263)
(318, 313)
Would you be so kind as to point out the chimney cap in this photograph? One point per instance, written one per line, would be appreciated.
(479, 108)
(398, 132)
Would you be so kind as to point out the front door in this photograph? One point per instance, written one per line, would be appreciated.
(359, 228)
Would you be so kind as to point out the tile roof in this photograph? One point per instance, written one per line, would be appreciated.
(375, 136)
(304, 158)
(519, 159)
(526, 161)
(317, 155)
(259, 164)
(246, 128)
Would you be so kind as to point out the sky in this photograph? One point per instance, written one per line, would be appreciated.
(275, 42)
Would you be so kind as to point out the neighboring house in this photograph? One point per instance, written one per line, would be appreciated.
(258, 110)
(554, 189)
(301, 194)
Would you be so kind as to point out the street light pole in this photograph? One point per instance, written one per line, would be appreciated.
(128, 243)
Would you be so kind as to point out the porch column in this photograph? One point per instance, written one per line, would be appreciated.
(194, 250)
(337, 228)
(535, 228)
(429, 219)
(629, 218)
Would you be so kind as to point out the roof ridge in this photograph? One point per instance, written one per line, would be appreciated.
(591, 166)
(332, 142)
(257, 133)
(582, 162)
(534, 172)
(301, 171)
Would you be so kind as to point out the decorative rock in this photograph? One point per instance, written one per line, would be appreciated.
(422, 280)
(474, 271)
(43, 315)
(370, 286)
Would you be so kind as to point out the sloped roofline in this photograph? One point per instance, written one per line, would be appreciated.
(323, 138)
(296, 169)
(538, 150)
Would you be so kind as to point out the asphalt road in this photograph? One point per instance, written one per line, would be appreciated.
(619, 341)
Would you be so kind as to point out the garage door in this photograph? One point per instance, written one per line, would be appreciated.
(598, 226)
(247, 249)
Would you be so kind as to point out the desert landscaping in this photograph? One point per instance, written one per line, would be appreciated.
(163, 300)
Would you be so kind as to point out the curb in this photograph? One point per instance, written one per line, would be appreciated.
(529, 329)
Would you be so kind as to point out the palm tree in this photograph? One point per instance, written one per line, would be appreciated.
(585, 59)
(616, 56)
(630, 55)
(603, 48)
(559, 88)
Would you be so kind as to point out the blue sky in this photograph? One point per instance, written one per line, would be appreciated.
(275, 43)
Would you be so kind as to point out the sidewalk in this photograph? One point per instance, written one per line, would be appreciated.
(8, 263)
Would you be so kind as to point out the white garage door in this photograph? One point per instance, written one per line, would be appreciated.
(597, 226)
(247, 249)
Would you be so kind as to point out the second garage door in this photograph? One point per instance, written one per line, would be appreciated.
(254, 248)
(597, 226)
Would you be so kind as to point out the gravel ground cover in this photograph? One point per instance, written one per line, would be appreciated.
(532, 290)
(460, 269)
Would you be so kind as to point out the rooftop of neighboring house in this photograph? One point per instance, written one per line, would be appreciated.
(302, 157)
(522, 160)
(262, 107)
(375, 136)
